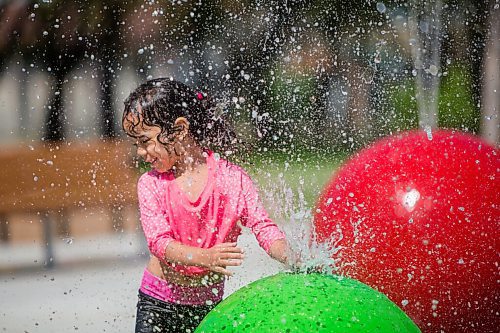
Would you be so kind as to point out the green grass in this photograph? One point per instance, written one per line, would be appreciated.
(276, 173)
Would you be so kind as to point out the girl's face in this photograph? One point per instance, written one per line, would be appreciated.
(152, 151)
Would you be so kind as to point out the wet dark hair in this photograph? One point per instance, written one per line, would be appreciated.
(159, 102)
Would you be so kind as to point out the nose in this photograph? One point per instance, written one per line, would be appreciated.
(141, 152)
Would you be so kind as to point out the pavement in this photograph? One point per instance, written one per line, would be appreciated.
(93, 284)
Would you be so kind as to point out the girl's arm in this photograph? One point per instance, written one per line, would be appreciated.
(216, 258)
(269, 236)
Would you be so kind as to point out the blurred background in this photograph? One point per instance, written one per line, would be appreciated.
(305, 83)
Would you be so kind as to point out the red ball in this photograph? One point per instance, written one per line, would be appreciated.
(416, 216)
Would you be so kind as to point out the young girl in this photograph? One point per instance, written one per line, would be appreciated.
(190, 204)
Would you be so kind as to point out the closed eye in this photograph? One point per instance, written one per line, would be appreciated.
(143, 139)
(142, 142)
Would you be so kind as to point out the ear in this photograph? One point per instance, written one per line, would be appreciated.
(181, 126)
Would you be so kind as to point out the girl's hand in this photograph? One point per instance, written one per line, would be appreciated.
(218, 257)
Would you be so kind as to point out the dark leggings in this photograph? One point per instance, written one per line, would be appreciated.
(155, 316)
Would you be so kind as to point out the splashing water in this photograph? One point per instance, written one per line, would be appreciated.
(310, 255)
(425, 42)
(428, 131)
(296, 219)
(381, 7)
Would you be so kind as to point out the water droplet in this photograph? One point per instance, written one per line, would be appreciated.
(428, 131)
(433, 70)
(381, 7)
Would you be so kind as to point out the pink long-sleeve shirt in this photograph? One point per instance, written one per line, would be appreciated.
(229, 196)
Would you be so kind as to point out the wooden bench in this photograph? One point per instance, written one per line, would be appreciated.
(50, 179)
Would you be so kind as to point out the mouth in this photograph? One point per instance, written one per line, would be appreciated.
(153, 161)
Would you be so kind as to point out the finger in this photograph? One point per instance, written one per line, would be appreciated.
(230, 262)
(227, 248)
(222, 270)
(225, 245)
(233, 249)
(232, 255)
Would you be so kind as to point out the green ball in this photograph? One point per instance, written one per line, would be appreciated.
(306, 303)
